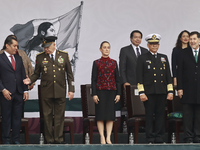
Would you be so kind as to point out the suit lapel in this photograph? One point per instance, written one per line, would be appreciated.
(132, 52)
(142, 50)
(5, 58)
(17, 64)
(198, 56)
(191, 55)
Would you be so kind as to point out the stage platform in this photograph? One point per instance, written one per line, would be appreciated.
(122, 144)
(78, 138)
(103, 147)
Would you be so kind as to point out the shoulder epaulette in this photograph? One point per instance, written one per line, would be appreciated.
(63, 51)
(40, 53)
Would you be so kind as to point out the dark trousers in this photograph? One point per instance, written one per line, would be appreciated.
(191, 122)
(155, 107)
(53, 107)
(11, 111)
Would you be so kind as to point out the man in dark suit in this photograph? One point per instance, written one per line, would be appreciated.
(189, 88)
(26, 61)
(154, 86)
(13, 91)
(128, 59)
(52, 64)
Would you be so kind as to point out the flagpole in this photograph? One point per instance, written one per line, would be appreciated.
(75, 55)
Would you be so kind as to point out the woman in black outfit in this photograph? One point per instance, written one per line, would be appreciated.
(105, 91)
(181, 43)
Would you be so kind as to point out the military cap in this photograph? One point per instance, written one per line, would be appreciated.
(153, 38)
(47, 41)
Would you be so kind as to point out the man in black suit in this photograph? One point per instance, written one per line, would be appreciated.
(13, 90)
(189, 88)
(154, 86)
(128, 58)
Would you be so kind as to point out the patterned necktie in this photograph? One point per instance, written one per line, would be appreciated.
(137, 50)
(13, 62)
(196, 56)
(52, 57)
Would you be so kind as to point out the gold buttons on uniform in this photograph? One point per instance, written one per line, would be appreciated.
(161, 74)
(54, 81)
(154, 68)
(54, 76)
(160, 68)
(154, 80)
(59, 69)
(53, 70)
(154, 74)
(53, 65)
(161, 81)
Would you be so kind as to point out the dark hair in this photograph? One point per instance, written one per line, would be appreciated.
(103, 43)
(135, 31)
(8, 40)
(178, 41)
(37, 40)
(195, 32)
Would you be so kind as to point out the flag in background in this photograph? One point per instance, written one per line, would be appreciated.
(67, 28)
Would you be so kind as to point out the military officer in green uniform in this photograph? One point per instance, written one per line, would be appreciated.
(52, 64)
(155, 86)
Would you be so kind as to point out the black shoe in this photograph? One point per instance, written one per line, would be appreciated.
(197, 140)
(159, 140)
(16, 142)
(150, 140)
(6, 142)
(188, 140)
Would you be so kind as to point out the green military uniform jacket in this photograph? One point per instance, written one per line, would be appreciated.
(53, 80)
(153, 74)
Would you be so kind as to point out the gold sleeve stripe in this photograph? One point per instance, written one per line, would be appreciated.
(169, 87)
(140, 87)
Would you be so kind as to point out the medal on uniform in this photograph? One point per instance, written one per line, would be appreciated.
(60, 59)
(163, 59)
(44, 62)
(45, 69)
(148, 66)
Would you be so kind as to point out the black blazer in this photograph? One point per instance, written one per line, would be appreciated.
(127, 64)
(12, 79)
(154, 74)
(188, 78)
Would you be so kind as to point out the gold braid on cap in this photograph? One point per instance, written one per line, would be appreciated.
(154, 37)
(44, 41)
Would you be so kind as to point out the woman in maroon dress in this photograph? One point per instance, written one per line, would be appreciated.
(105, 91)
